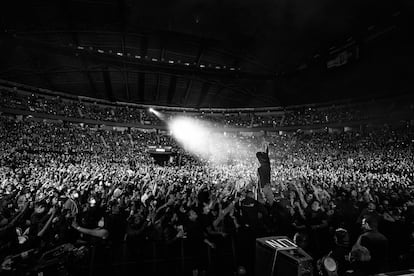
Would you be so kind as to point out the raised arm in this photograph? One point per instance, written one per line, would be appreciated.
(301, 197)
(52, 213)
(97, 232)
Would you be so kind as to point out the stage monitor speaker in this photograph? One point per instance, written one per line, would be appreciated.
(279, 256)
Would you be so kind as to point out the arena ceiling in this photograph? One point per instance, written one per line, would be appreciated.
(210, 53)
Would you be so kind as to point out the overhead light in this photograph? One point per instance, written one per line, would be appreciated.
(120, 54)
(218, 67)
(171, 61)
(187, 64)
(232, 69)
(154, 59)
(80, 47)
(100, 51)
(202, 66)
(137, 56)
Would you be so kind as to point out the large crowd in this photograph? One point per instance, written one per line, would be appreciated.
(63, 183)
(82, 108)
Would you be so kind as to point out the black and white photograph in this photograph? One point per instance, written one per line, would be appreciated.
(206, 138)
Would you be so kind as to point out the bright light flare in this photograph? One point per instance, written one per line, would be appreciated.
(190, 133)
(205, 141)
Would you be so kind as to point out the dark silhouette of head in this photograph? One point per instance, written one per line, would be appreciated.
(341, 237)
(370, 223)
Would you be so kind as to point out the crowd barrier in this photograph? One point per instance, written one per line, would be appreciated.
(152, 258)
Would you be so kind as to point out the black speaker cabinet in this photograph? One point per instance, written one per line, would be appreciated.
(279, 256)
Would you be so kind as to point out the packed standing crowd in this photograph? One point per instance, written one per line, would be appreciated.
(63, 183)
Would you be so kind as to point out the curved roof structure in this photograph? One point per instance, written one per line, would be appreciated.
(204, 53)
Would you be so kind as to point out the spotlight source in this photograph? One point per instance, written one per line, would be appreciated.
(157, 113)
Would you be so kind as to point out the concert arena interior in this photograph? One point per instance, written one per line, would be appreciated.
(206, 138)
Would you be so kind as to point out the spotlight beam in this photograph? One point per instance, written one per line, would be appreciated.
(157, 113)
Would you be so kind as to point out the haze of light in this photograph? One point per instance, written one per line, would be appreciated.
(207, 142)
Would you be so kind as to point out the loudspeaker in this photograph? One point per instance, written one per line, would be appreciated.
(279, 256)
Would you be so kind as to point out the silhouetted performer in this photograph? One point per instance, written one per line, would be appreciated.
(264, 169)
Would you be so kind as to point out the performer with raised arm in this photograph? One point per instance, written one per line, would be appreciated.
(263, 172)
